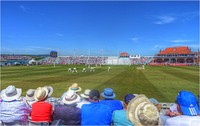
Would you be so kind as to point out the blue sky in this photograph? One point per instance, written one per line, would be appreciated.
(98, 27)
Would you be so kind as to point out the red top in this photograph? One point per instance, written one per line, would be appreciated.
(41, 112)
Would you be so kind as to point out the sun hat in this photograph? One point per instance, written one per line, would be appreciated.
(50, 90)
(94, 95)
(108, 93)
(71, 97)
(11, 93)
(41, 93)
(141, 111)
(75, 87)
(188, 103)
(128, 98)
(154, 101)
(86, 93)
(30, 94)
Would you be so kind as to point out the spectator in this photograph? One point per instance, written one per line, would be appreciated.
(30, 97)
(50, 90)
(156, 103)
(68, 113)
(119, 117)
(163, 117)
(141, 112)
(84, 98)
(13, 110)
(109, 96)
(174, 110)
(43, 115)
(188, 103)
(52, 100)
(73, 87)
(95, 113)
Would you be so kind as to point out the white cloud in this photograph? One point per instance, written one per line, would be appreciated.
(135, 39)
(23, 8)
(187, 16)
(164, 20)
(180, 40)
(37, 47)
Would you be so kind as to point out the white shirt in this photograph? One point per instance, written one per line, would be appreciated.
(183, 120)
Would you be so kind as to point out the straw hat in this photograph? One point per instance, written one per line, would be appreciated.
(41, 93)
(71, 98)
(141, 112)
(30, 94)
(11, 93)
(50, 90)
(86, 93)
(75, 87)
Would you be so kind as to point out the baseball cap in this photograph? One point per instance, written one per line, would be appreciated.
(128, 98)
(188, 103)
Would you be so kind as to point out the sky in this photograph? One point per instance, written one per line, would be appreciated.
(98, 27)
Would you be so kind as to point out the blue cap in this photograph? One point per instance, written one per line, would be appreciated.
(188, 103)
(128, 98)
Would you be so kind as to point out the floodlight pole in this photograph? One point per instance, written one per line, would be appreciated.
(102, 57)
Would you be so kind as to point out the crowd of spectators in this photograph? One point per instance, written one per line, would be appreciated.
(141, 60)
(14, 57)
(91, 107)
(82, 60)
(75, 60)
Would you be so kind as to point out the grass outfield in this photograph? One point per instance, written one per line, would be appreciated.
(160, 82)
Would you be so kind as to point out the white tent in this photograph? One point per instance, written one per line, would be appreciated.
(32, 62)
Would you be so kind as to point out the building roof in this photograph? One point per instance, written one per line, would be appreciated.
(176, 50)
(124, 54)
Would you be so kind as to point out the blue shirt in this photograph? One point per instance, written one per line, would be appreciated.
(119, 118)
(113, 104)
(96, 114)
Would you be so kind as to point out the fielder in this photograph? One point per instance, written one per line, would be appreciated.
(108, 69)
(69, 70)
(74, 70)
(84, 70)
(92, 69)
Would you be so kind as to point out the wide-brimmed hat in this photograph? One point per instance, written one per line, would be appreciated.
(86, 93)
(108, 93)
(75, 87)
(141, 112)
(11, 93)
(50, 90)
(30, 94)
(41, 93)
(71, 98)
(188, 103)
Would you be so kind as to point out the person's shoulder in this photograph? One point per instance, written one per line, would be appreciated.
(119, 112)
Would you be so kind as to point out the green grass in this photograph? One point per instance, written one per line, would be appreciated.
(160, 82)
